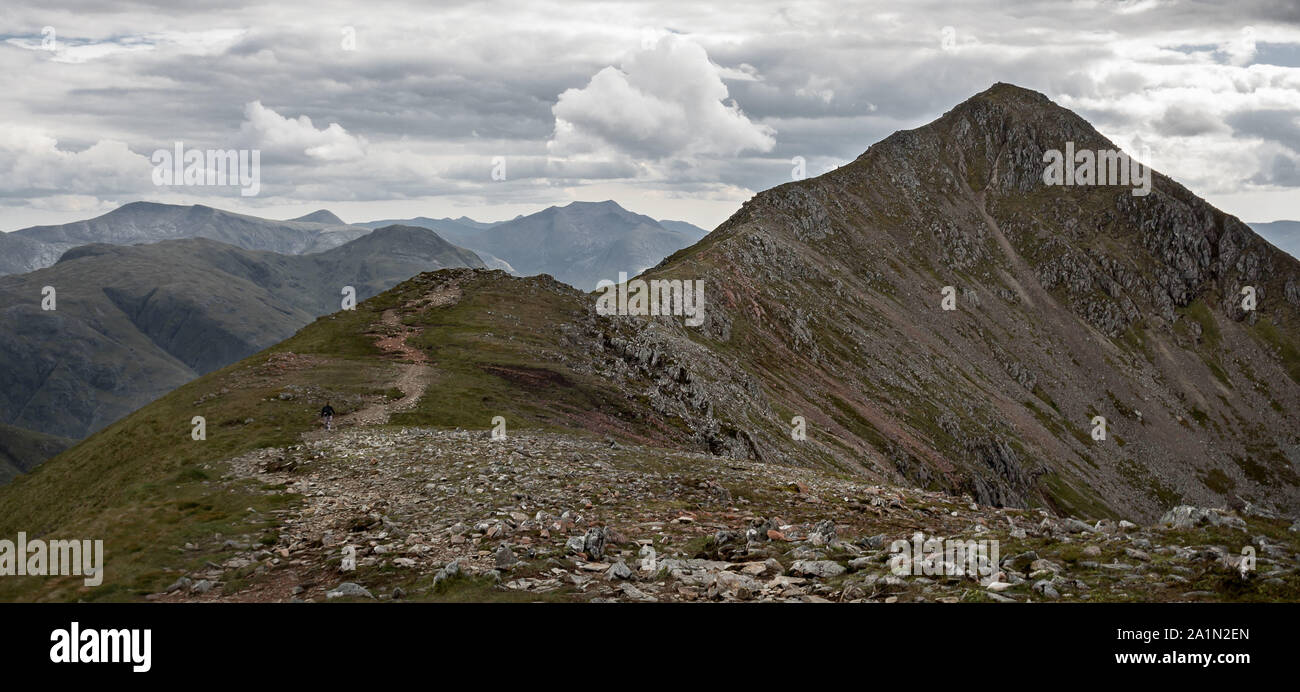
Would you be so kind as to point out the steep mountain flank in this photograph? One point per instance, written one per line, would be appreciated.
(1072, 302)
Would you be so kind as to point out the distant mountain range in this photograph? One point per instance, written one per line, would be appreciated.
(579, 244)
(1284, 234)
(462, 225)
(148, 222)
(134, 322)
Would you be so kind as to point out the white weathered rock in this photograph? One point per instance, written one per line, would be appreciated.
(816, 568)
(349, 589)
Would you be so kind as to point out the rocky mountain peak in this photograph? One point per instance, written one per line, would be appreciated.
(323, 216)
(1068, 303)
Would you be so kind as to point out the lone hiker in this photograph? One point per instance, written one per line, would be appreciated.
(327, 414)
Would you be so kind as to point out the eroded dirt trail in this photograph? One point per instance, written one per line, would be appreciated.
(412, 380)
(413, 370)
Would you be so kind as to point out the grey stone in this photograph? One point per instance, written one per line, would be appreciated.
(594, 542)
(816, 568)
(1038, 565)
(873, 542)
(1137, 554)
(1047, 589)
(450, 571)
(823, 533)
(504, 557)
(349, 589)
(1073, 525)
(1189, 517)
(182, 583)
(618, 570)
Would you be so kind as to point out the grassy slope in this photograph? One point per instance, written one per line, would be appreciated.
(502, 338)
(146, 488)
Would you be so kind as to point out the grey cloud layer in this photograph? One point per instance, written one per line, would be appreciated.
(674, 99)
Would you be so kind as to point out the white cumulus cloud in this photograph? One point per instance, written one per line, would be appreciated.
(667, 101)
(297, 137)
(32, 164)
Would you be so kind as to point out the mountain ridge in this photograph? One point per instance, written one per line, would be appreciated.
(323, 216)
(574, 251)
(963, 238)
(825, 305)
(37, 247)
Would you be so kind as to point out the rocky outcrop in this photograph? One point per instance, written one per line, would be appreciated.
(488, 519)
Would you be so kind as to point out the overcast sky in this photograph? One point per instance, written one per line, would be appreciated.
(382, 109)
